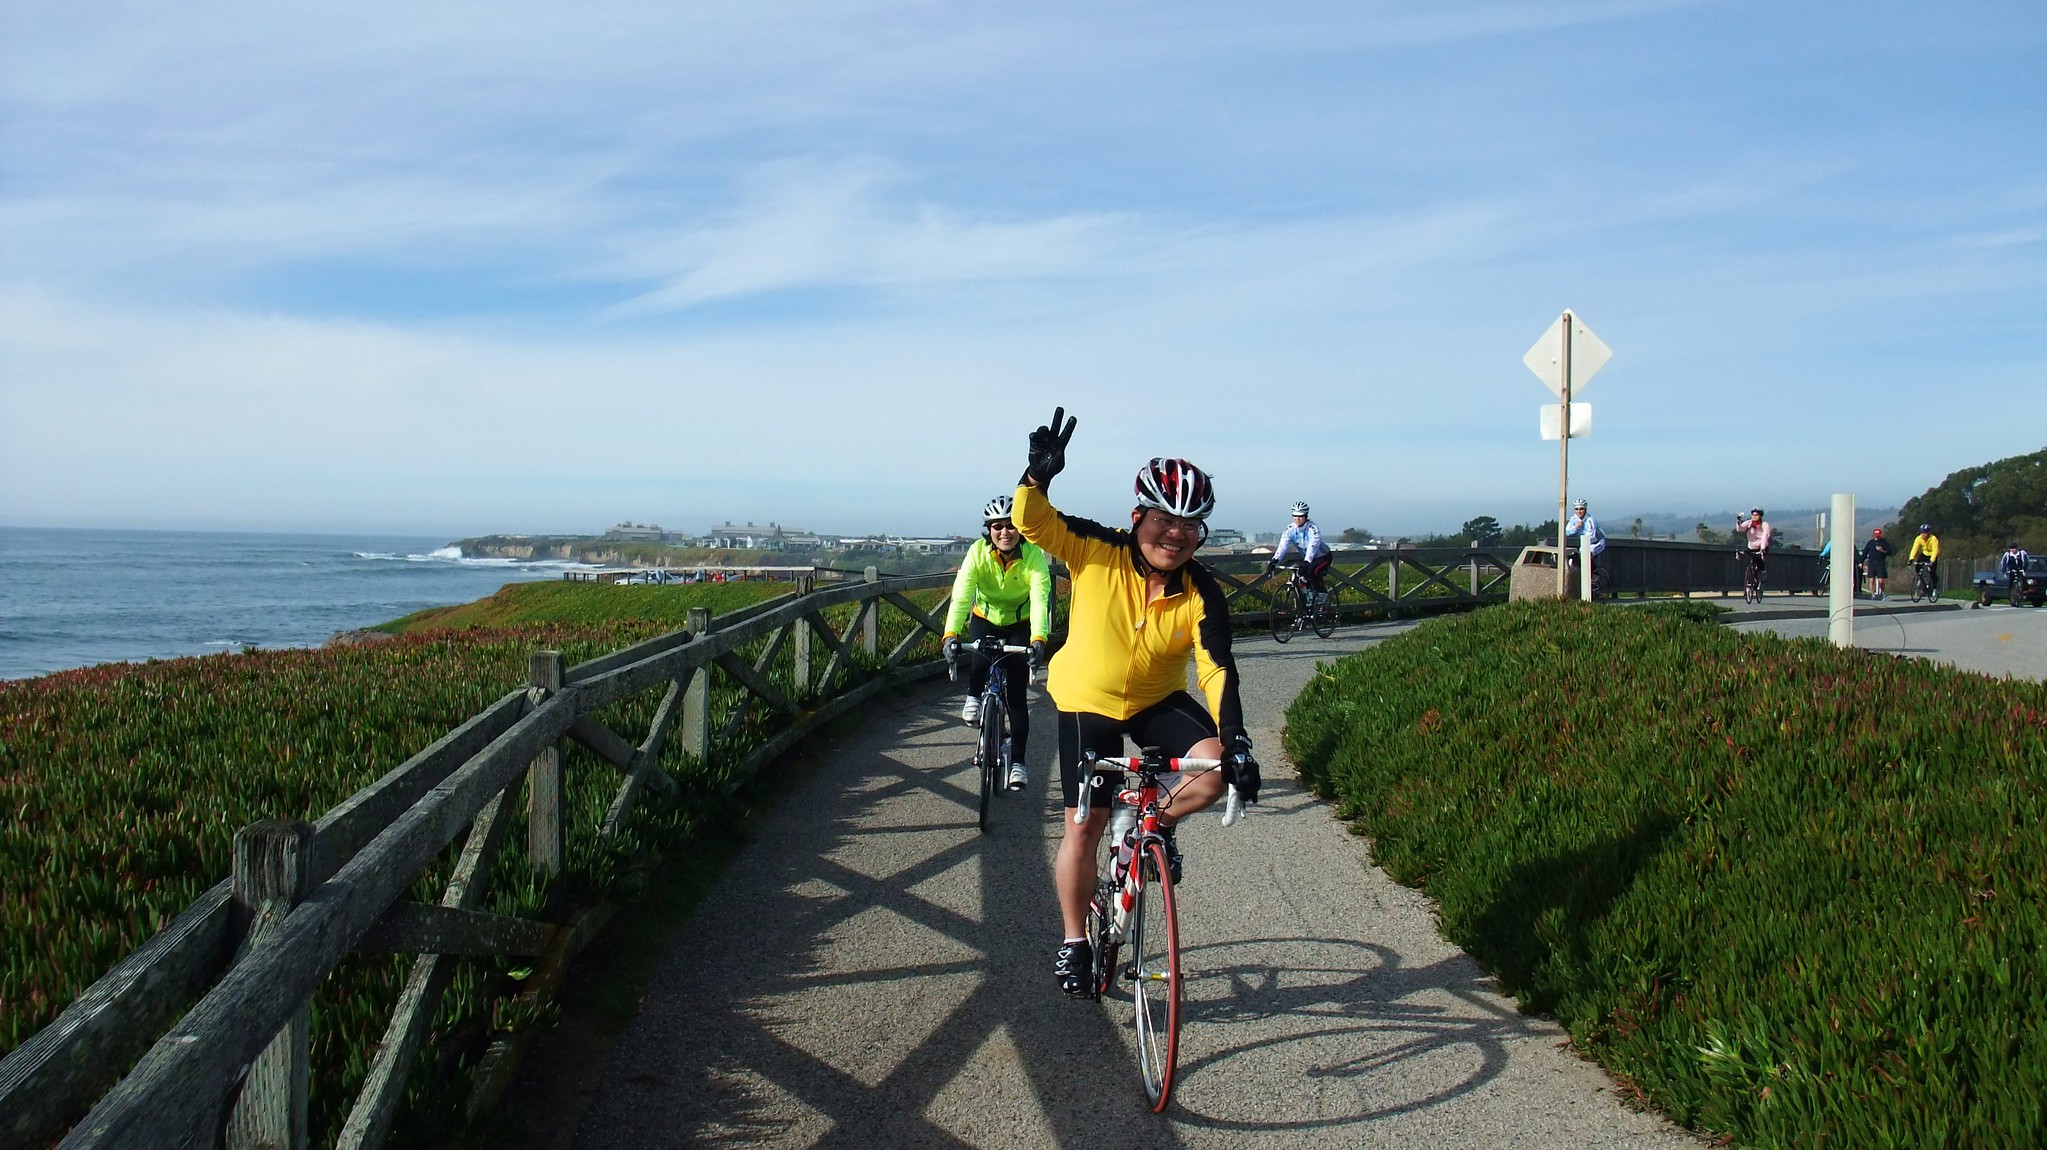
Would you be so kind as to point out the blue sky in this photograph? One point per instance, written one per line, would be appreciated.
(464, 267)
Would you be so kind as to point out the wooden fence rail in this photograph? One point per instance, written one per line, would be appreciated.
(253, 949)
(1406, 579)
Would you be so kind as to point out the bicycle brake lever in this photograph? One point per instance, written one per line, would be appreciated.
(1233, 807)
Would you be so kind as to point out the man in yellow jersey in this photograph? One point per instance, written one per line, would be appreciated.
(1926, 547)
(1007, 586)
(1140, 608)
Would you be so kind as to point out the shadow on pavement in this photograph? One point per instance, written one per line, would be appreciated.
(875, 972)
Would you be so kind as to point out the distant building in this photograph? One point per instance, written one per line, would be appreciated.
(1225, 539)
(638, 532)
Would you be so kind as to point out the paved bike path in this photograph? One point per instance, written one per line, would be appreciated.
(871, 972)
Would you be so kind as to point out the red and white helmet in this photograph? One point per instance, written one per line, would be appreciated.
(1176, 487)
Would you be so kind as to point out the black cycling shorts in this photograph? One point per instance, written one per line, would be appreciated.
(1174, 724)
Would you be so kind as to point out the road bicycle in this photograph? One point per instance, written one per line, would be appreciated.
(991, 750)
(1751, 575)
(1299, 607)
(1922, 580)
(1598, 575)
(1133, 907)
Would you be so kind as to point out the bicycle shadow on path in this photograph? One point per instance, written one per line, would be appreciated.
(872, 971)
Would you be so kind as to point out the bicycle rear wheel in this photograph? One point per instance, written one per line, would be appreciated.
(989, 754)
(1154, 973)
(1284, 611)
(1325, 615)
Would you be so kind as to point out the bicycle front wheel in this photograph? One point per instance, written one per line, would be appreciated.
(990, 752)
(1284, 612)
(1154, 974)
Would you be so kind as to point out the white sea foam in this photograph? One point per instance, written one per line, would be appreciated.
(453, 556)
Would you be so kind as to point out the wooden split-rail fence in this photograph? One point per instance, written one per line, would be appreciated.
(232, 976)
(1382, 582)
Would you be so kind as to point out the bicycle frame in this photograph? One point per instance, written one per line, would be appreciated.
(1122, 912)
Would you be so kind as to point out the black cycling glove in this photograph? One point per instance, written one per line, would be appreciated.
(1242, 768)
(1048, 449)
(1039, 655)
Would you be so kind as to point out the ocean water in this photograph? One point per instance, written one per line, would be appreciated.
(76, 598)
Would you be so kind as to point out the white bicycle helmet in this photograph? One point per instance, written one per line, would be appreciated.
(1176, 487)
(997, 508)
(1300, 509)
(1578, 506)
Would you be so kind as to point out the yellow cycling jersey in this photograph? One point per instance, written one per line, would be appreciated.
(1123, 654)
(1925, 546)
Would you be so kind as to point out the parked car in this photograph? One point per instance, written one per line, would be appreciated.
(1993, 587)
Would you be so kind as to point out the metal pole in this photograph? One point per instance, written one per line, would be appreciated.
(1564, 462)
(1841, 574)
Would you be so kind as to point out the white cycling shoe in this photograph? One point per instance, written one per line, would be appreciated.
(1018, 779)
(970, 713)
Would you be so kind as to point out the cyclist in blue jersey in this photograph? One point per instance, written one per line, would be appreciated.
(1304, 535)
(1581, 525)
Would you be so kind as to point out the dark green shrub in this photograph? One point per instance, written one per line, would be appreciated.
(1792, 894)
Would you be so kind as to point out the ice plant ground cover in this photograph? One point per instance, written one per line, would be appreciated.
(121, 788)
(1787, 893)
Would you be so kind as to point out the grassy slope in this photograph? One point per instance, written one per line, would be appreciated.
(1790, 893)
(517, 604)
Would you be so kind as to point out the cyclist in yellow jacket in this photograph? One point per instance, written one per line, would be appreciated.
(1926, 545)
(1006, 585)
(1141, 608)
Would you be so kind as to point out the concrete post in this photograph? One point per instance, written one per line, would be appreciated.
(1841, 574)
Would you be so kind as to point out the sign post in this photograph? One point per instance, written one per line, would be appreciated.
(1565, 359)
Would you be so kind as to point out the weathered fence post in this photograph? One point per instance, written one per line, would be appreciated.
(1393, 577)
(870, 633)
(1474, 576)
(544, 840)
(271, 875)
(696, 701)
(799, 644)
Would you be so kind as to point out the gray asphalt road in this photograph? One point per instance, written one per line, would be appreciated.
(2000, 640)
(872, 972)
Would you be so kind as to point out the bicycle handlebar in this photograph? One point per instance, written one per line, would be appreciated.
(1233, 803)
(990, 646)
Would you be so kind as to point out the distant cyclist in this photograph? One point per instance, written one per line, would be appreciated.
(2013, 565)
(1876, 561)
(1315, 557)
(1007, 584)
(1581, 525)
(1755, 535)
(1926, 549)
(1141, 608)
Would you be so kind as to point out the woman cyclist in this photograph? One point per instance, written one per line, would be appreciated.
(1315, 556)
(1141, 608)
(1007, 584)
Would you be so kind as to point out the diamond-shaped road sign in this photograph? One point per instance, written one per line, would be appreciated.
(1588, 355)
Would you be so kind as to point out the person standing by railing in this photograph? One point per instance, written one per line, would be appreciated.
(1315, 554)
(1581, 525)
(1876, 561)
(1006, 585)
(1141, 608)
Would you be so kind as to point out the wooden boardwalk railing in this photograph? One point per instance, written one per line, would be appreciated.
(252, 950)
(1406, 579)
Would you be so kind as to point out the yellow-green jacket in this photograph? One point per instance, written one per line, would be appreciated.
(1002, 592)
